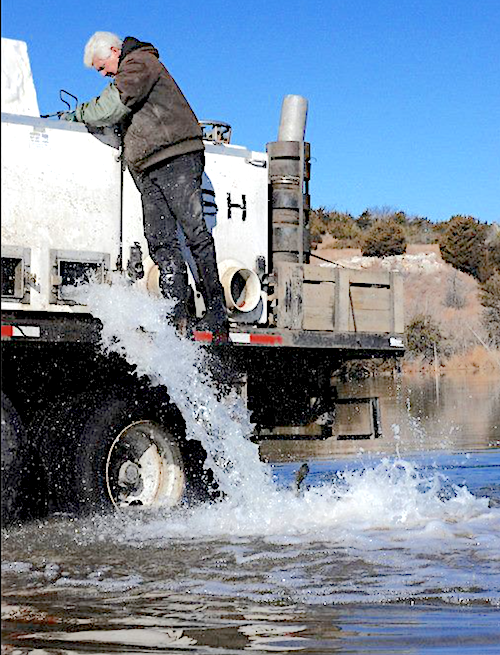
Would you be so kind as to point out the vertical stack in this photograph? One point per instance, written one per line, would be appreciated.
(289, 172)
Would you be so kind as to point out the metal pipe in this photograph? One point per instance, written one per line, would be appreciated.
(293, 119)
(288, 176)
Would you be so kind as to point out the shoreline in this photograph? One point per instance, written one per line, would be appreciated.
(476, 361)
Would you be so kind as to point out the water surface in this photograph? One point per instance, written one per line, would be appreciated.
(390, 546)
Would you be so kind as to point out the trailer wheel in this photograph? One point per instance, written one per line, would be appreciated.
(119, 449)
(14, 462)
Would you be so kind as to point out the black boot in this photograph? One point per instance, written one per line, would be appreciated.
(215, 318)
(173, 286)
(215, 321)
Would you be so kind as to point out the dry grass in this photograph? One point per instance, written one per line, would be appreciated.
(476, 360)
(466, 341)
(428, 294)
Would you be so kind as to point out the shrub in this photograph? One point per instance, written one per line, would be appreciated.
(318, 219)
(490, 300)
(455, 293)
(365, 220)
(419, 230)
(385, 237)
(424, 338)
(491, 260)
(463, 244)
(341, 226)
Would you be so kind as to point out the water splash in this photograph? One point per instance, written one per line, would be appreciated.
(392, 495)
(135, 325)
(369, 508)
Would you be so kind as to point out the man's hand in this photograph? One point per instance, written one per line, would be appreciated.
(66, 115)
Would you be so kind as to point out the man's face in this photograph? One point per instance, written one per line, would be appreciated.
(107, 67)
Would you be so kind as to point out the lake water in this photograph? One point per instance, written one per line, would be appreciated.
(391, 546)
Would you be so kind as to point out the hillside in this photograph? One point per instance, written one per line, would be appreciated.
(447, 300)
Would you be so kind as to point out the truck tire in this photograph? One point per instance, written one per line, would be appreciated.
(121, 448)
(14, 462)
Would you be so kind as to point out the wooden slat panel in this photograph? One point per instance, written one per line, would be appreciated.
(319, 306)
(369, 277)
(322, 301)
(290, 309)
(371, 321)
(319, 273)
(342, 302)
(368, 298)
(372, 309)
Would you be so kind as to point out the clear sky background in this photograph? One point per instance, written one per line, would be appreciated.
(404, 95)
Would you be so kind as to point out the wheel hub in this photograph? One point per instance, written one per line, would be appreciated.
(129, 473)
(144, 467)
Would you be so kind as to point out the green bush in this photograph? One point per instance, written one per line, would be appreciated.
(318, 219)
(424, 338)
(341, 226)
(385, 237)
(466, 243)
(365, 220)
(490, 300)
(491, 260)
(420, 230)
(463, 245)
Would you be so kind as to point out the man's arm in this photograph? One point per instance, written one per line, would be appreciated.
(104, 110)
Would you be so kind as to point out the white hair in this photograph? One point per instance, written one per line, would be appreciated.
(99, 45)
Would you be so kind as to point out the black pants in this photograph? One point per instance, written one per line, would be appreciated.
(171, 196)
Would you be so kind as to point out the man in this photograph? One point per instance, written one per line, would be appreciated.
(164, 151)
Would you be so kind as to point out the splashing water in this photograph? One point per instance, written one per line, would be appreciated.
(135, 325)
(393, 495)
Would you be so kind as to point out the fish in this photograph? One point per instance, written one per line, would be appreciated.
(300, 476)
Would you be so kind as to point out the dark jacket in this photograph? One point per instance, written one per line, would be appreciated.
(161, 124)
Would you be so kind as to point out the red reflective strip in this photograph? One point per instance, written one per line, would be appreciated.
(268, 339)
(7, 330)
(202, 336)
(262, 339)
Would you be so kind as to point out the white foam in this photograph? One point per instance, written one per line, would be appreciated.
(16, 567)
(392, 497)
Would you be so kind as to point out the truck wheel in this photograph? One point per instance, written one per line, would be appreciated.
(13, 462)
(119, 449)
(144, 467)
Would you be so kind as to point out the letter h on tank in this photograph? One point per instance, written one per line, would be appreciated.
(243, 206)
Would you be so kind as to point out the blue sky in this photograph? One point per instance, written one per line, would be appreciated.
(404, 96)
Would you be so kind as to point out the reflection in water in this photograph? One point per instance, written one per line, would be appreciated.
(464, 415)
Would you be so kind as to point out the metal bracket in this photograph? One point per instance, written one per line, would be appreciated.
(30, 280)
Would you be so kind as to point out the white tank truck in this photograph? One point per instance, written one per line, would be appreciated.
(79, 429)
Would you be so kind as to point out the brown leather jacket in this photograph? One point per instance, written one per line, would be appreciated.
(161, 124)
